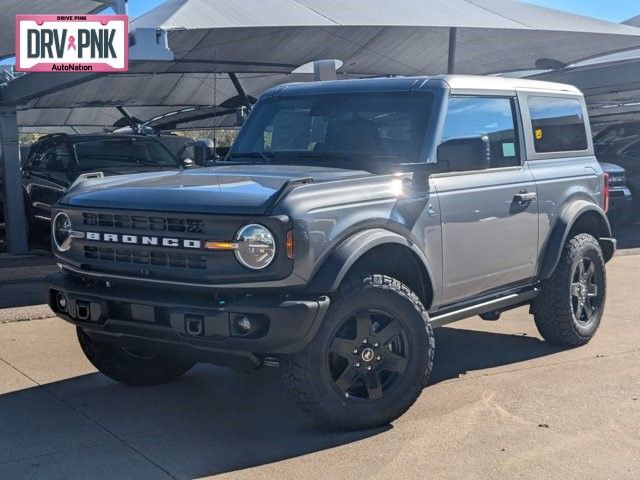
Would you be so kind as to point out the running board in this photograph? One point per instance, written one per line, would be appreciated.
(505, 302)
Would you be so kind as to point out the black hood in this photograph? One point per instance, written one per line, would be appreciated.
(246, 189)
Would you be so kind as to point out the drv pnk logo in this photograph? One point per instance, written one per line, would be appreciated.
(76, 43)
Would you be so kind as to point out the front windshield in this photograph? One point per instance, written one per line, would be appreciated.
(130, 152)
(322, 129)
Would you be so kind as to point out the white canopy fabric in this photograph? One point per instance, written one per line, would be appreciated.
(611, 83)
(378, 36)
(10, 8)
(600, 80)
(634, 22)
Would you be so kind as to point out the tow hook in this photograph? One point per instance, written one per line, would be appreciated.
(194, 325)
(83, 310)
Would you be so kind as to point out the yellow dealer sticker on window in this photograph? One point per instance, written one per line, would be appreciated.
(538, 134)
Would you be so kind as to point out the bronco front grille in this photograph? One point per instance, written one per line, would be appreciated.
(146, 257)
(144, 222)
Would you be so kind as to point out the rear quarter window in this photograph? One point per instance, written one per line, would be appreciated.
(558, 124)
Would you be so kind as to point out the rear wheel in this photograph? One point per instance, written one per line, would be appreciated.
(569, 308)
(131, 367)
(370, 359)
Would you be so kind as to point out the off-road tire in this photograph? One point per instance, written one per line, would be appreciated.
(307, 373)
(125, 367)
(552, 309)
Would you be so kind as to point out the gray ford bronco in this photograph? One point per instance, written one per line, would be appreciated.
(349, 220)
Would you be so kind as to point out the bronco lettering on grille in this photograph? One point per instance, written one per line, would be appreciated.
(143, 240)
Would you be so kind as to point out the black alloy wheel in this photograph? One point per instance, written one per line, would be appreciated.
(370, 358)
(368, 355)
(585, 288)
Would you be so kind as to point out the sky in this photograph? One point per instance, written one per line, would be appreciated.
(611, 10)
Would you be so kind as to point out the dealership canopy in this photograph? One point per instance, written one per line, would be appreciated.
(379, 36)
(610, 82)
(370, 37)
(173, 96)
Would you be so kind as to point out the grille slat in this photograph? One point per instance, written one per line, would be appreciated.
(145, 257)
(143, 222)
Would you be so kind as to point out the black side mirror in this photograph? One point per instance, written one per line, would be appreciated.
(241, 115)
(202, 151)
(465, 154)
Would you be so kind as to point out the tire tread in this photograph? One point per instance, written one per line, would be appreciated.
(298, 375)
(552, 315)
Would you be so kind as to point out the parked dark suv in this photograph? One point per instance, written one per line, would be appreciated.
(349, 220)
(619, 144)
(56, 161)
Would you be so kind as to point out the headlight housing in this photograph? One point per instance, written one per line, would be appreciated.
(256, 246)
(61, 232)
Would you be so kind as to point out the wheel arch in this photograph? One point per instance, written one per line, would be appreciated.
(376, 251)
(580, 216)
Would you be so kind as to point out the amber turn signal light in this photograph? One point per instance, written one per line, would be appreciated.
(221, 246)
(290, 244)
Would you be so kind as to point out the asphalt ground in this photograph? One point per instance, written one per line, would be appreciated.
(501, 404)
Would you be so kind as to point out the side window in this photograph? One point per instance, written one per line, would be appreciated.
(61, 163)
(483, 118)
(41, 160)
(558, 124)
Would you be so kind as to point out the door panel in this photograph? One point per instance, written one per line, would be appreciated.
(490, 212)
(489, 231)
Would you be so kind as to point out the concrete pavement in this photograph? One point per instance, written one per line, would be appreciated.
(501, 404)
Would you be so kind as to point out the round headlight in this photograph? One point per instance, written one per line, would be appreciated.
(256, 246)
(62, 232)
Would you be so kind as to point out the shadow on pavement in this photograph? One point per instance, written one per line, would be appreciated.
(21, 278)
(210, 421)
(627, 236)
(459, 351)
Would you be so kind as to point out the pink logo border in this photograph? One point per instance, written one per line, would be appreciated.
(97, 67)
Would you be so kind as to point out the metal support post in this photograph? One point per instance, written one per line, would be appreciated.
(14, 212)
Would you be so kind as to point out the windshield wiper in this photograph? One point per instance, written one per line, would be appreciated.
(143, 161)
(266, 157)
(333, 156)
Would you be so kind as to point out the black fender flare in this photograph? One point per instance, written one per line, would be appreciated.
(328, 276)
(560, 234)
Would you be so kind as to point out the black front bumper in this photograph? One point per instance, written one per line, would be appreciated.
(187, 323)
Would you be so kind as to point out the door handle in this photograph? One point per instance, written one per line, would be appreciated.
(525, 197)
